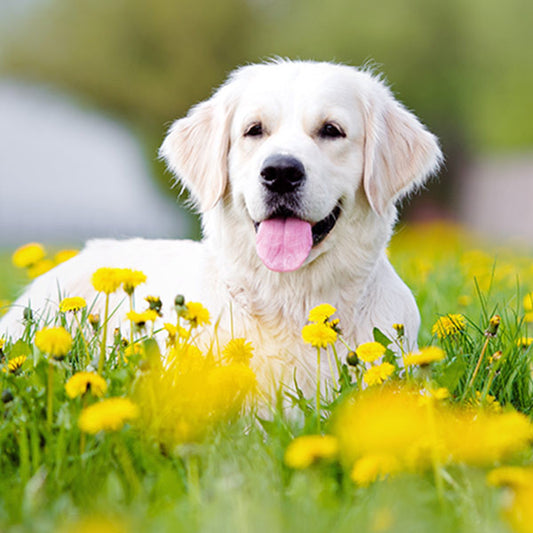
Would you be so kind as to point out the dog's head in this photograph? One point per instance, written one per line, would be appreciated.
(292, 144)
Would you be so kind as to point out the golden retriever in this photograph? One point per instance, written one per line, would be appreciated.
(296, 167)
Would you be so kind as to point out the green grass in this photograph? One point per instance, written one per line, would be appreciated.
(235, 478)
(12, 280)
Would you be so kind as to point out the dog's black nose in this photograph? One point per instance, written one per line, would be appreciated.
(282, 173)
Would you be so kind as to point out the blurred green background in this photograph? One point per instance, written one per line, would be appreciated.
(464, 66)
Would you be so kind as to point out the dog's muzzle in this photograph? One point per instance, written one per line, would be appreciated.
(284, 238)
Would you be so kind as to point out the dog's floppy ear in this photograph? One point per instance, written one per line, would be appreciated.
(400, 153)
(196, 149)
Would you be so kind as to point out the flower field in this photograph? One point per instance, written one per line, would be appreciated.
(105, 431)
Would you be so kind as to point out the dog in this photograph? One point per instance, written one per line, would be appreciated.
(296, 168)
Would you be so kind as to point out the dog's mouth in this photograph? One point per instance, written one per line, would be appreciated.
(284, 241)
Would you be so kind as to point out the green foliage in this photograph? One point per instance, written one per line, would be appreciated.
(463, 66)
(145, 61)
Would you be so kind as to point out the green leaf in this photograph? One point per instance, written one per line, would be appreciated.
(452, 373)
(20, 348)
(380, 337)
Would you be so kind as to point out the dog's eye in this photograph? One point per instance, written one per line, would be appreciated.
(330, 131)
(255, 130)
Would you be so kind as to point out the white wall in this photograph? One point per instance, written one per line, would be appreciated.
(496, 196)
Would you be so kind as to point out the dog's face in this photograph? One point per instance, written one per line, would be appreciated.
(292, 144)
(295, 160)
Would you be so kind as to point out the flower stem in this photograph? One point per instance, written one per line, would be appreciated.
(50, 396)
(82, 433)
(104, 337)
(125, 462)
(131, 321)
(318, 389)
(84, 342)
(337, 360)
(492, 375)
(193, 478)
(478, 365)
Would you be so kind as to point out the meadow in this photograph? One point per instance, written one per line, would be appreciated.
(436, 440)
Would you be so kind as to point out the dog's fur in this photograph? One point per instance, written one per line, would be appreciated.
(384, 154)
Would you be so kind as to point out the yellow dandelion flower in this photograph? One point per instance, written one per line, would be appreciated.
(15, 364)
(483, 437)
(228, 386)
(524, 342)
(238, 351)
(107, 280)
(449, 325)
(489, 403)
(140, 319)
(2, 343)
(83, 382)
(175, 331)
(510, 476)
(28, 255)
(53, 341)
(321, 313)
(171, 329)
(519, 514)
(318, 335)
(131, 279)
(393, 421)
(40, 268)
(197, 314)
(304, 451)
(528, 317)
(132, 350)
(107, 415)
(73, 304)
(442, 393)
(372, 467)
(191, 394)
(424, 356)
(528, 302)
(64, 255)
(430, 395)
(383, 421)
(370, 351)
(376, 375)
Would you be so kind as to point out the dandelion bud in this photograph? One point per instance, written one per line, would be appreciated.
(7, 396)
(494, 324)
(352, 358)
(27, 314)
(496, 356)
(400, 330)
(94, 320)
(155, 304)
(117, 337)
(179, 301)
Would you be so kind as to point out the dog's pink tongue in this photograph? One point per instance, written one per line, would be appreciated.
(283, 244)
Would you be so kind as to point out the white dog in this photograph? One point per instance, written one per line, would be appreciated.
(296, 168)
